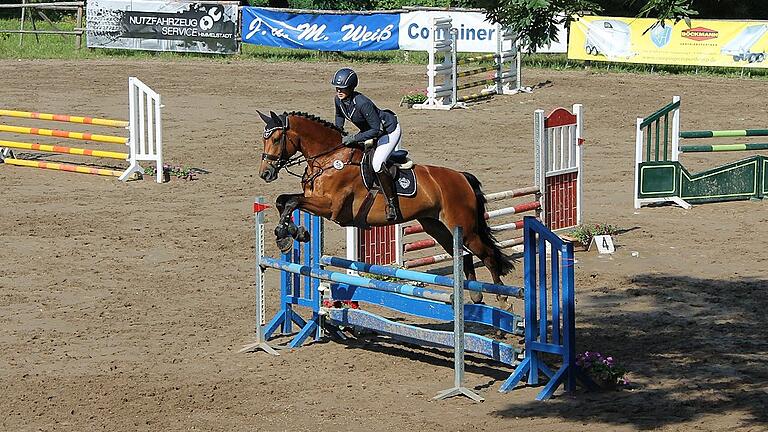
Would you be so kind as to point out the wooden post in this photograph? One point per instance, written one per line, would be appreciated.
(79, 37)
(21, 27)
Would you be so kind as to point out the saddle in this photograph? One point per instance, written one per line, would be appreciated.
(399, 166)
(401, 169)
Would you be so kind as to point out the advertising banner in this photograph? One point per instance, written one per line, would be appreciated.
(322, 32)
(162, 26)
(476, 33)
(408, 31)
(704, 43)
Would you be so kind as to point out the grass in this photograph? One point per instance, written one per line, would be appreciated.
(63, 47)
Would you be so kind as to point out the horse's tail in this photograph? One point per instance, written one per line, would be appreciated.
(503, 263)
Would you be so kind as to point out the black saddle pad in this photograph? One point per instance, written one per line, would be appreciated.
(405, 179)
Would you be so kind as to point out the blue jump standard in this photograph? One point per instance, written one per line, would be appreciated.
(549, 305)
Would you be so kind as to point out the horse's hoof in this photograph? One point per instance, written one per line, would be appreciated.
(281, 231)
(476, 296)
(302, 235)
(285, 244)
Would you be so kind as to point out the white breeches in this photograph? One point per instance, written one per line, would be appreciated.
(387, 144)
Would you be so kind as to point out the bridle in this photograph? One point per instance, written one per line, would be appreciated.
(282, 162)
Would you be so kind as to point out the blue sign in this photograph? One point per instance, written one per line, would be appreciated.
(331, 32)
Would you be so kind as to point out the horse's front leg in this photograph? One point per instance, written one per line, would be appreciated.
(287, 230)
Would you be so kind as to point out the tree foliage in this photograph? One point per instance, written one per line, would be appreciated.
(536, 21)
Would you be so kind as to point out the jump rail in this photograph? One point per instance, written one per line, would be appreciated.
(144, 139)
(443, 72)
(661, 177)
(549, 299)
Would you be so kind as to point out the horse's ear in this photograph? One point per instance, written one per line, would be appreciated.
(264, 118)
(276, 119)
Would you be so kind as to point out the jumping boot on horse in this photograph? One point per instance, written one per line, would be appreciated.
(387, 185)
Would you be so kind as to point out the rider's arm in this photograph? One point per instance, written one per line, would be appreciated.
(371, 114)
(339, 115)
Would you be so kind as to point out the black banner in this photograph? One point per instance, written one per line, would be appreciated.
(172, 26)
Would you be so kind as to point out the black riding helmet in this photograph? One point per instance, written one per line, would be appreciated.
(345, 78)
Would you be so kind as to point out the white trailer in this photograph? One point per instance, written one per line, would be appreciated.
(610, 38)
(740, 47)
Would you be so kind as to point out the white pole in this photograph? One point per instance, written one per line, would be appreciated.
(675, 132)
(455, 71)
(578, 110)
(638, 160)
(458, 324)
(260, 342)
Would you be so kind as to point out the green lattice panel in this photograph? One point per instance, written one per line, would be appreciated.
(743, 179)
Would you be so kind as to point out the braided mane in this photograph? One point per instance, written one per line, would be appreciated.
(316, 119)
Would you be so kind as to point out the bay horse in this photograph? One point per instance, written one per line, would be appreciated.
(333, 189)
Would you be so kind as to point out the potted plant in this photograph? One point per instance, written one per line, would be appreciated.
(582, 234)
(412, 98)
(603, 370)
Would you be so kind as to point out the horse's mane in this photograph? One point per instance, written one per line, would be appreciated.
(315, 119)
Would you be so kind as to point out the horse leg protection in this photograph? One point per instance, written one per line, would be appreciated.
(302, 235)
(284, 234)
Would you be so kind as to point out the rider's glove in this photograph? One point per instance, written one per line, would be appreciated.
(348, 140)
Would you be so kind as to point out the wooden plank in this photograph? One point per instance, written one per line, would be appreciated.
(54, 5)
(63, 32)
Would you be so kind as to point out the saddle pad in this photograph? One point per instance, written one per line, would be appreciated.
(406, 180)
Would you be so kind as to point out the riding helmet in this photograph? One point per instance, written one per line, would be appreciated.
(345, 78)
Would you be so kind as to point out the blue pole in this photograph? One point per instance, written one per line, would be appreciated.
(419, 276)
(410, 290)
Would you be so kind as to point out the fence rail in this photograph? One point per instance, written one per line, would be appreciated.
(78, 31)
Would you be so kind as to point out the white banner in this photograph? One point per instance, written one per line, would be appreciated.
(476, 33)
(208, 27)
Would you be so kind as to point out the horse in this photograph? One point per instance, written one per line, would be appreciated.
(332, 188)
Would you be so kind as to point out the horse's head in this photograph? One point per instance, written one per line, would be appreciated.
(278, 148)
(306, 134)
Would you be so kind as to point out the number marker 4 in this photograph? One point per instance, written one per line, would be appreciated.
(604, 244)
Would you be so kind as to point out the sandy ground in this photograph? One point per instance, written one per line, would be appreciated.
(123, 305)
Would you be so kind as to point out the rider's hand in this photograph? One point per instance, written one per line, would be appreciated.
(348, 140)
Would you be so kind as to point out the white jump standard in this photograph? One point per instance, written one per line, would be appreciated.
(443, 73)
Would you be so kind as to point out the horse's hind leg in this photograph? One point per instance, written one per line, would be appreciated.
(444, 238)
(486, 254)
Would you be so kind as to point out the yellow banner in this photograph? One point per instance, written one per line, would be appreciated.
(704, 43)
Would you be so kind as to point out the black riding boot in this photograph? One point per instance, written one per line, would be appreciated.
(387, 185)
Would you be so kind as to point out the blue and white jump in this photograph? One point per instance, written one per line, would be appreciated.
(549, 327)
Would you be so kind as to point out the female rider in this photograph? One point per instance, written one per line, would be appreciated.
(376, 124)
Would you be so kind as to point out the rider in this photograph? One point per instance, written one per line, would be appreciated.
(376, 124)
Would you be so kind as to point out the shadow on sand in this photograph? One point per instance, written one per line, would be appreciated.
(699, 350)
